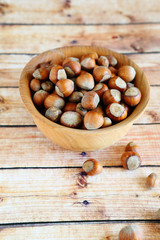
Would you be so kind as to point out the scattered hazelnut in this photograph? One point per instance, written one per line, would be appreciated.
(87, 63)
(107, 122)
(81, 110)
(64, 87)
(101, 74)
(90, 100)
(132, 96)
(92, 167)
(53, 113)
(68, 59)
(85, 81)
(39, 97)
(100, 88)
(57, 73)
(112, 60)
(103, 61)
(132, 146)
(71, 119)
(72, 68)
(116, 112)
(93, 120)
(131, 160)
(131, 232)
(70, 106)
(35, 85)
(76, 97)
(127, 73)
(41, 73)
(53, 100)
(152, 180)
(47, 86)
(117, 83)
(111, 96)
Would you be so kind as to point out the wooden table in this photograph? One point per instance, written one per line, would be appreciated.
(40, 197)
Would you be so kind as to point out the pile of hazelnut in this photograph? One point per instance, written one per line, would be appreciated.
(87, 93)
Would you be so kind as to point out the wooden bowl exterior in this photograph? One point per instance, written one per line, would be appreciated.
(77, 139)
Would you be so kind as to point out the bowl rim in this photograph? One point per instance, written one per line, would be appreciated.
(35, 113)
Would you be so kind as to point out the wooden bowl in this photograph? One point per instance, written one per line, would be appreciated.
(77, 139)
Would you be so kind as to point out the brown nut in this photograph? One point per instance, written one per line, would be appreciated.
(152, 180)
(132, 96)
(92, 167)
(100, 88)
(85, 81)
(127, 73)
(35, 85)
(57, 73)
(71, 119)
(93, 120)
(76, 97)
(81, 110)
(45, 65)
(64, 87)
(112, 60)
(107, 122)
(87, 63)
(127, 108)
(41, 73)
(113, 70)
(47, 86)
(53, 100)
(68, 59)
(111, 96)
(93, 55)
(99, 110)
(101, 74)
(131, 232)
(39, 97)
(131, 160)
(132, 146)
(70, 107)
(129, 85)
(90, 100)
(53, 114)
(116, 112)
(72, 68)
(117, 83)
(103, 61)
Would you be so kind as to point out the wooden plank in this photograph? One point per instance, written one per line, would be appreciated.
(12, 65)
(74, 231)
(27, 147)
(74, 11)
(36, 195)
(121, 38)
(13, 112)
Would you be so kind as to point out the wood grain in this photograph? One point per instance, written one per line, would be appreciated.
(94, 231)
(56, 12)
(11, 66)
(36, 195)
(27, 147)
(121, 38)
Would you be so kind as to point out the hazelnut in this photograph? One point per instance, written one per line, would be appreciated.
(53, 113)
(117, 83)
(152, 180)
(131, 232)
(93, 55)
(107, 122)
(64, 87)
(85, 81)
(68, 59)
(131, 160)
(76, 97)
(116, 112)
(53, 100)
(127, 108)
(72, 68)
(45, 65)
(111, 96)
(112, 60)
(71, 119)
(101, 74)
(92, 167)
(87, 63)
(132, 96)
(39, 97)
(41, 73)
(70, 107)
(113, 70)
(132, 146)
(93, 120)
(127, 73)
(103, 61)
(81, 110)
(35, 85)
(130, 85)
(57, 73)
(47, 86)
(90, 100)
(100, 88)
(99, 110)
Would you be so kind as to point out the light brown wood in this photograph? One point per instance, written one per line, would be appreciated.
(75, 139)
(121, 38)
(42, 195)
(91, 11)
(102, 231)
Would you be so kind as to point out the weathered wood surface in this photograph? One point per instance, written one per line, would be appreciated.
(94, 231)
(11, 66)
(72, 11)
(43, 195)
(121, 38)
(27, 147)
